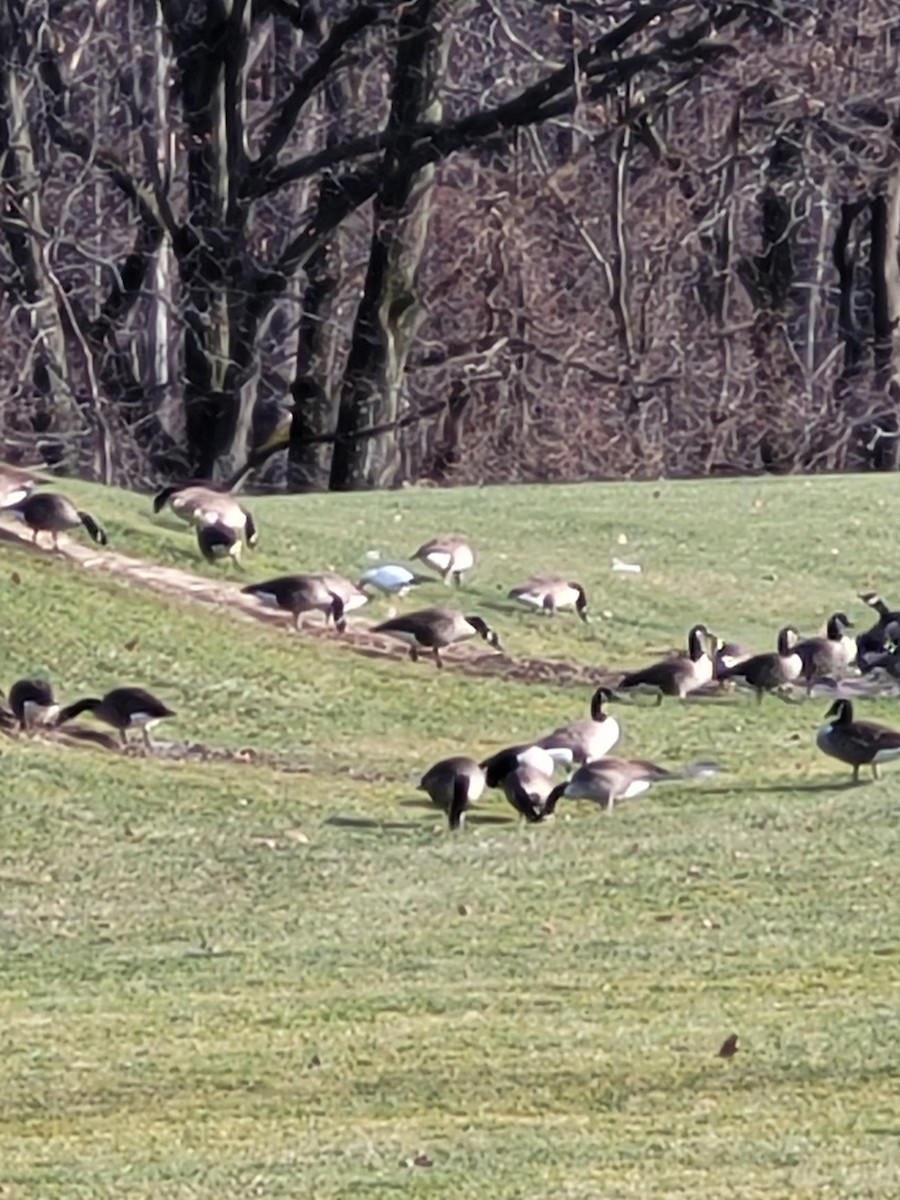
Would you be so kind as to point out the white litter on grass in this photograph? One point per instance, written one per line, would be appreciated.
(626, 567)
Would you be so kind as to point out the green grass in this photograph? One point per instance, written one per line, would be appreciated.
(195, 1004)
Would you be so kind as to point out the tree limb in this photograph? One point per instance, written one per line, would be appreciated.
(551, 96)
(283, 119)
(81, 145)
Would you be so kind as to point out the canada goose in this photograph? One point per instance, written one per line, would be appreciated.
(677, 676)
(606, 780)
(768, 672)
(32, 703)
(451, 556)
(200, 504)
(551, 594)
(589, 738)
(15, 485)
(857, 743)
(50, 512)
(299, 594)
(434, 628)
(391, 578)
(219, 543)
(828, 655)
(454, 784)
(123, 708)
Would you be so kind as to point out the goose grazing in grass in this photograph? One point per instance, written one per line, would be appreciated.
(202, 504)
(769, 672)
(32, 703)
(50, 512)
(15, 485)
(551, 594)
(451, 556)
(857, 743)
(587, 738)
(299, 594)
(392, 579)
(608, 780)
(828, 655)
(123, 708)
(433, 629)
(454, 784)
(678, 676)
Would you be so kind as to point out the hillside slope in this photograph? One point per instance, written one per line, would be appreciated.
(223, 976)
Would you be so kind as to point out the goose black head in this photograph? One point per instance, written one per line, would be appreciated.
(842, 711)
(874, 601)
(603, 695)
(484, 630)
(696, 647)
(837, 623)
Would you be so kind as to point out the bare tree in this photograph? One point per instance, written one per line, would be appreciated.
(455, 237)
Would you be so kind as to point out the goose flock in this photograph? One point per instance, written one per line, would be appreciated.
(525, 773)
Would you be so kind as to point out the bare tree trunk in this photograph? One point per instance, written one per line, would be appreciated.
(313, 411)
(218, 407)
(885, 265)
(389, 313)
(26, 235)
(313, 386)
(160, 348)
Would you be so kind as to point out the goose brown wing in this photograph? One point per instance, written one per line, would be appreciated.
(870, 734)
(661, 674)
(130, 700)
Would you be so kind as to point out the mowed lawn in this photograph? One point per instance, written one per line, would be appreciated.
(223, 980)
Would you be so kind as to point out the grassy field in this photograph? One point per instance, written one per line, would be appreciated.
(224, 980)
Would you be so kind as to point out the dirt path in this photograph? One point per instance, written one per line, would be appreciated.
(223, 594)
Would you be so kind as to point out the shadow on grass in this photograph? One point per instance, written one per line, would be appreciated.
(763, 789)
(373, 823)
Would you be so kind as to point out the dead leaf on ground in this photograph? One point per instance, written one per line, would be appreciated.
(297, 835)
(669, 916)
(729, 1047)
(463, 910)
(131, 643)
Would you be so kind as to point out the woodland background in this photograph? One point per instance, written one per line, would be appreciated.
(458, 240)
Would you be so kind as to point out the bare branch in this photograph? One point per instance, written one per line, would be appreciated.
(281, 122)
